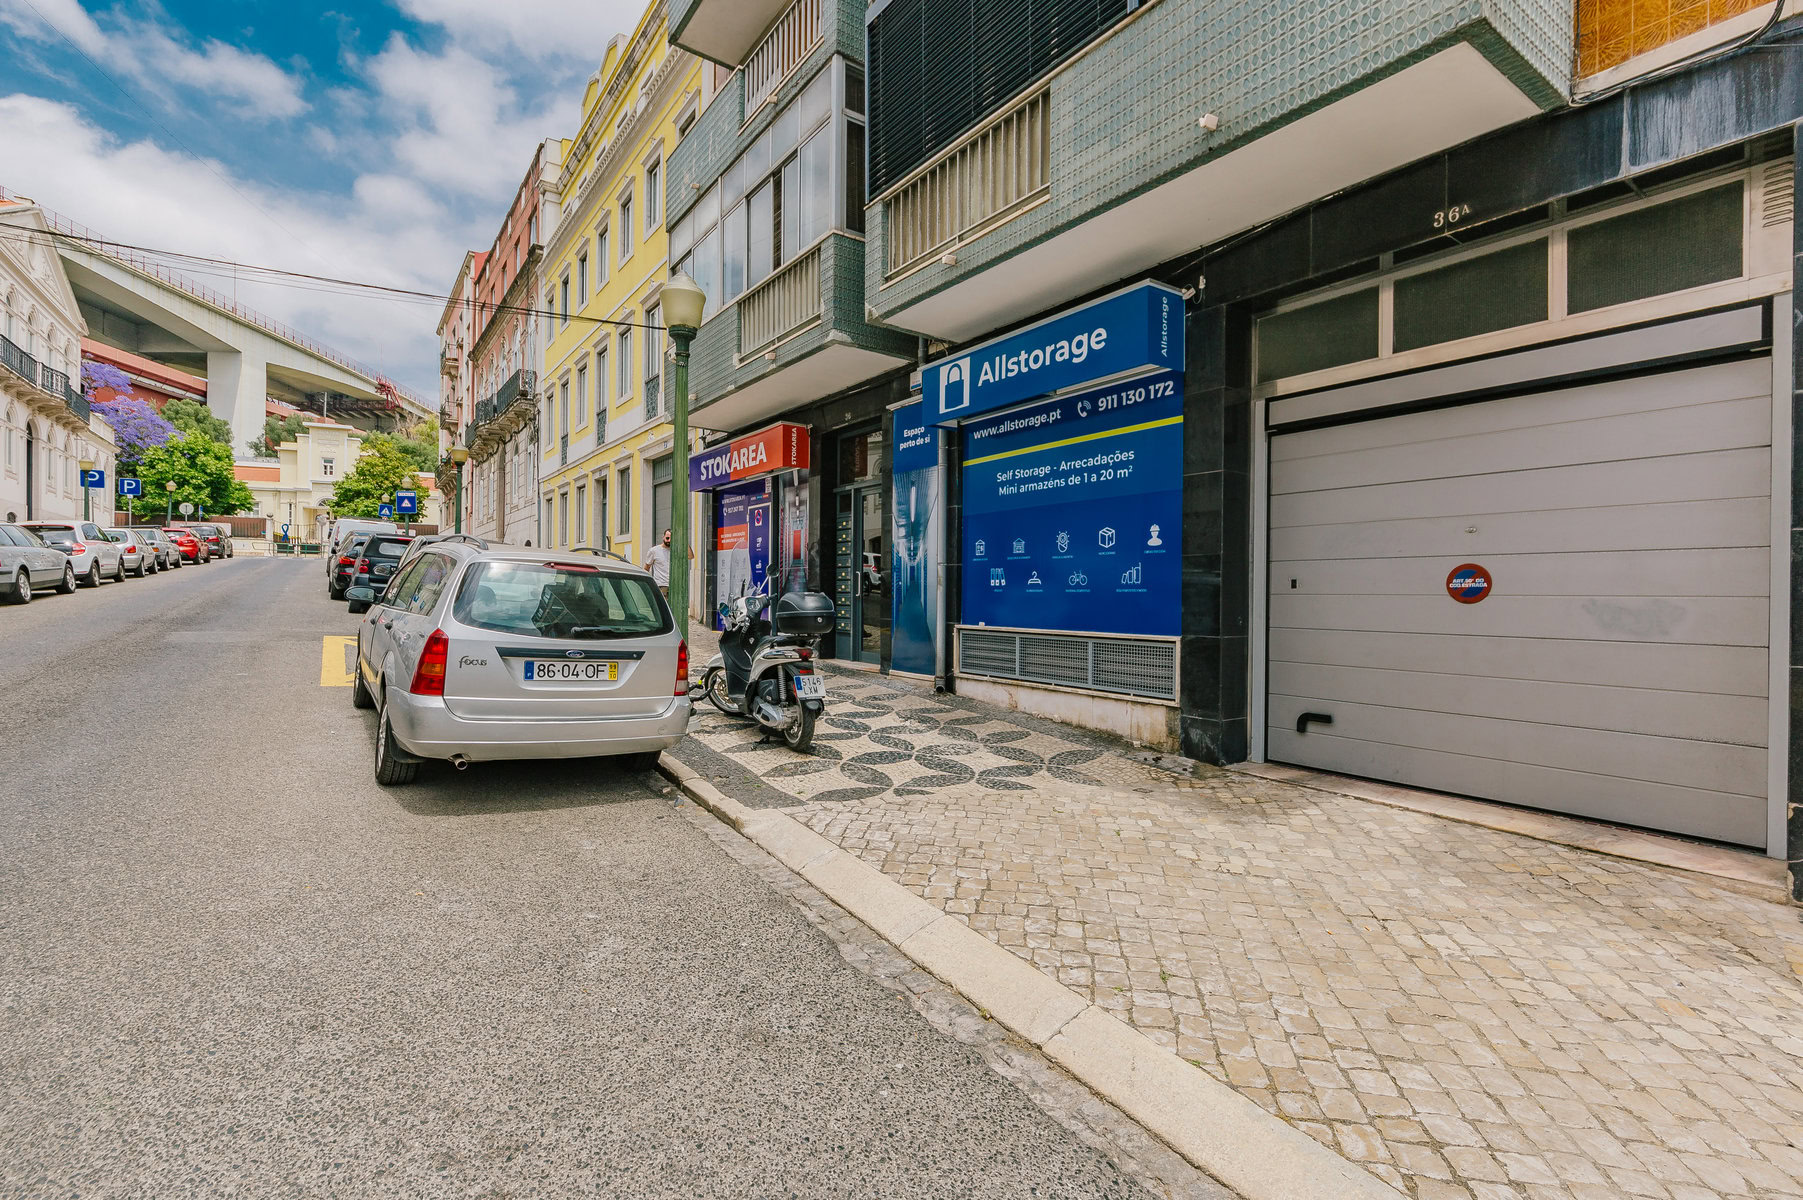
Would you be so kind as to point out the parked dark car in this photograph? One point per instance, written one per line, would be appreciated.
(376, 563)
(218, 544)
(346, 565)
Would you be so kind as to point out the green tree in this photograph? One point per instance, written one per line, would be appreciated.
(419, 444)
(276, 430)
(193, 417)
(201, 470)
(382, 469)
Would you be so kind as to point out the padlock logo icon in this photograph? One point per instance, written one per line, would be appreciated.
(954, 386)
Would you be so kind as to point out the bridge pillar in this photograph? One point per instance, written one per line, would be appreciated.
(237, 384)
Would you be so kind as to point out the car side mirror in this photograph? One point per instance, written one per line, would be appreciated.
(362, 595)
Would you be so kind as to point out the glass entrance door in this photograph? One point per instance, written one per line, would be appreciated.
(861, 577)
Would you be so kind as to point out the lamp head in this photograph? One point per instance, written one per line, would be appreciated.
(683, 301)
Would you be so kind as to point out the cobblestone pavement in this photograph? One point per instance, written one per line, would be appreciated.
(1467, 1012)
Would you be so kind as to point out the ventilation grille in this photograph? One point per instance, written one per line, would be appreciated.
(1777, 193)
(1128, 666)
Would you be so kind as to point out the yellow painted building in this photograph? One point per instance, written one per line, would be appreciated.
(605, 434)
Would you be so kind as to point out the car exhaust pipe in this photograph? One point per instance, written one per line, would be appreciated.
(460, 762)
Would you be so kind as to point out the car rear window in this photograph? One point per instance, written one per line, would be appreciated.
(387, 549)
(549, 600)
(50, 530)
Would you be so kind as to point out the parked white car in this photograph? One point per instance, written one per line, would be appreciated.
(29, 564)
(93, 554)
(140, 556)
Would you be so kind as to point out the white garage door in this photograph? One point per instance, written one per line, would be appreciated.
(1617, 669)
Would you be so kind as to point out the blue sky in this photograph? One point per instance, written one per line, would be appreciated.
(370, 140)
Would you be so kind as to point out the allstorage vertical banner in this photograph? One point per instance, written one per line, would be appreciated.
(1073, 510)
(915, 554)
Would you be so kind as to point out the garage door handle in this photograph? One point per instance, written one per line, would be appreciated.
(1319, 718)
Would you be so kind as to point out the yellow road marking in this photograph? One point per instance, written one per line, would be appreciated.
(1088, 437)
(337, 661)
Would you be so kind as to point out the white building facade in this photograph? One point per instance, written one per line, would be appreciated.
(46, 430)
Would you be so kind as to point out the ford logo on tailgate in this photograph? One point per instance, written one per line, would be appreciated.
(572, 654)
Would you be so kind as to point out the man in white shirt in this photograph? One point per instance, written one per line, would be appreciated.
(657, 561)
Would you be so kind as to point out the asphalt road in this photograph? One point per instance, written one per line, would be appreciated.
(230, 964)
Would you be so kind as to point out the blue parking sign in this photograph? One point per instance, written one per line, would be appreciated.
(131, 487)
(406, 502)
(386, 512)
(93, 479)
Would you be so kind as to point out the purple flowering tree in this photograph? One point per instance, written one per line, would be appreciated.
(137, 426)
(97, 375)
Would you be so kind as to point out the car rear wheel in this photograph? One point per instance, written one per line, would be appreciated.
(119, 570)
(22, 587)
(391, 769)
(68, 583)
(360, 697)
(93, 579)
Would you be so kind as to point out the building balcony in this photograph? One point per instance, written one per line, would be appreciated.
(48, 391)
(1070, 174)
(499, 417)
(796, 336)
(725, 31)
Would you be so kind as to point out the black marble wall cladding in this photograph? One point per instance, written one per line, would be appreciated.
(1217, 455)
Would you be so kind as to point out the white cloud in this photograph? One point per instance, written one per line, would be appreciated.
(543, 29)
(153, 58)
(389, 230)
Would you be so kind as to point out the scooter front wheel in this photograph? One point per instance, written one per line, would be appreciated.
(714, 683)
(799, 734)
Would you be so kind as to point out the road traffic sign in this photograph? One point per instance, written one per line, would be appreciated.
(406, 502)
(185, 508)
(93, 479)
(386, 512)
(131, 487)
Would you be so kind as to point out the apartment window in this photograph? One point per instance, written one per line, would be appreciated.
(563, 518)
(582, 392)
(532, 228)
(563, 407)
(653, 194)
(601, 509)
(548, 425)
(582, 280)
(581, 514)
(691, 112)
(563, 301)
(548, 516)
(600, 393)
(624, 388)
(623, 490)
(626, 224)
(778, 199)
(654, 344)
(601, 255)
(550, 307)
(328, 467)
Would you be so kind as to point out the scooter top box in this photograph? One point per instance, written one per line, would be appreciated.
(807, 613)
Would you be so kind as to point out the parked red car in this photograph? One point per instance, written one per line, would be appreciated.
(193, 549)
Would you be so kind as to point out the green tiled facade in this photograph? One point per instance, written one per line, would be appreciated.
(702, 156)
(1123, 115)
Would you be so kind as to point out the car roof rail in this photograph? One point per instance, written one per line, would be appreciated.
(598, 552)
(471, 538)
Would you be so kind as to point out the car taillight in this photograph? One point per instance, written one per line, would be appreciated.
(344, 560)
(78, 548)
(363, 566)
(428, 676)
(682, 669)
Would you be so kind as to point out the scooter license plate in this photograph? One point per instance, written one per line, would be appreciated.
(810, 687)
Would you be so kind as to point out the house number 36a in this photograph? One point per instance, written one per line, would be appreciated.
(1451, 215)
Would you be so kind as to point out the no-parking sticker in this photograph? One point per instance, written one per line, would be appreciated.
(1468, 583)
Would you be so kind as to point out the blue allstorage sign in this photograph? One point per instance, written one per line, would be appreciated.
(1139, 327)
(1073, 511)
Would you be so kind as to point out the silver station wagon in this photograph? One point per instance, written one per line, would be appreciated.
(476, 653)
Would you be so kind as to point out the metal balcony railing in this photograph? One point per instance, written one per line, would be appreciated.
(17, 361)
(563, 450)
(521, 384)
(780, 304)
(653, 386)
(78, 403)
(988, 176)
(790, 40)
(52, 381)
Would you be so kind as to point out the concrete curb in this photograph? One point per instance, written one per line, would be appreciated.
(1250, 1151)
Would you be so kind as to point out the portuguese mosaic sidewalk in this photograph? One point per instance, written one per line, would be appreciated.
(1464, 1012)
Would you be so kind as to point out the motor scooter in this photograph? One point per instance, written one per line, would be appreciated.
(765, 668)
